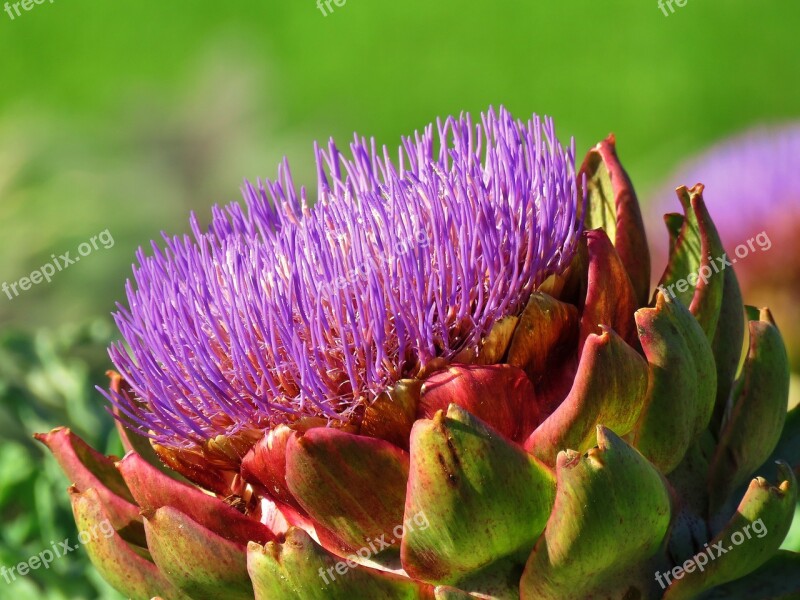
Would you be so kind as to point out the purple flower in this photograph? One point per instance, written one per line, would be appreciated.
(281, 311)
(752, 182)
(752, 190)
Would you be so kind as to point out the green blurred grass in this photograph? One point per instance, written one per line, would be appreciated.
(127, 115)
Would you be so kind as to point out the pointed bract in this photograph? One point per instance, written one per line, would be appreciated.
(119, 564)
(351, 484)
(759, 403)
(612, 206)
(196, 560)
(457, 465)
(599, 531)
(299, 569)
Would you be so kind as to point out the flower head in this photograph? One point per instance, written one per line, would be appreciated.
(533, 424)
(281, 311)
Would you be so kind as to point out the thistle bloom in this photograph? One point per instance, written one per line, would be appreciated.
(282, 311)
(446, 380)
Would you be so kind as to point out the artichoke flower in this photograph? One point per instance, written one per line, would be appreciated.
(447, 379)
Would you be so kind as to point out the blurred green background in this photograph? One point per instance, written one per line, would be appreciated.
(127, 115)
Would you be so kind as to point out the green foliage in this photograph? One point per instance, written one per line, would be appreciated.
(47, 379)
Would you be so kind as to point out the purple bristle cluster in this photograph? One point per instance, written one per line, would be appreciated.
(280, 311)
